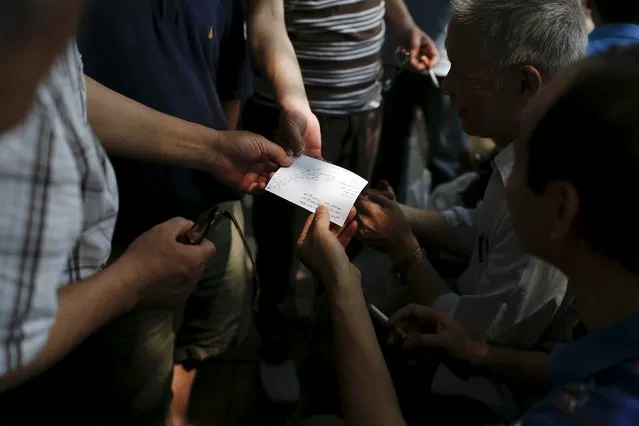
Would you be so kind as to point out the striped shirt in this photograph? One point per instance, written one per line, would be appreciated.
(58, 210)
(338, 45)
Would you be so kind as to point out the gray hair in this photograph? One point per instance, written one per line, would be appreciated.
(548, 34)
(19, 17)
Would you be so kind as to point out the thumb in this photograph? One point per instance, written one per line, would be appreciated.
(295, 126)
(206, 249)
(379, 198)
(322, 218)
(274, 153)
(178, 226)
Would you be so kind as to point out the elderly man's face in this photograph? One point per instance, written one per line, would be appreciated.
(27, 60)
(486, 98)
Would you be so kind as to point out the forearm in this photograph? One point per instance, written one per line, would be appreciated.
(232, 111)
(422, 281)
(273, 51)
(431, 227)
(526, 369)
(398, 15)
(368, 396)
(83, 307)
(129, 129)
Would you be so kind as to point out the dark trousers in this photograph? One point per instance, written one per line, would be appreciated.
(349, 141)
(446, 140)
(121, 375)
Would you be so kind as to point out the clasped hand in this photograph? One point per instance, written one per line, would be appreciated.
(381, 222)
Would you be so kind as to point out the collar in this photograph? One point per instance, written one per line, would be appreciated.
(578, 360)
(606, 31)
(611, 35)
(503, 162)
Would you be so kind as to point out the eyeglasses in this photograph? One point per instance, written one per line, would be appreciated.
(205, 224)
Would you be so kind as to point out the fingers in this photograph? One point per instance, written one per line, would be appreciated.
(178, 226)
(348, 231)
(307, 226)
(206, 248)
(275, 154)
(429, 49)
(378, 198)
(414, 312)
(351, 215)
(425, 341)
(385, 189)
(415, 50)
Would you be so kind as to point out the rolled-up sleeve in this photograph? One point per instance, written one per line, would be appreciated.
(40, 218)
(462, 224)
(516, 297)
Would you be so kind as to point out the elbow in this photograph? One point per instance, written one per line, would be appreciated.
(265, 24)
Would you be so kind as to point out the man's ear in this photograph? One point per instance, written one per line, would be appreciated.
(530, 81)
(567, 209)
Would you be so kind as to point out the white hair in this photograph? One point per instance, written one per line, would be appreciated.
(548, 34)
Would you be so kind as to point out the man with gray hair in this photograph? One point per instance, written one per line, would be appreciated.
(501, 53)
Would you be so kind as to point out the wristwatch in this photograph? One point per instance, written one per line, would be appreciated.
(402, 268)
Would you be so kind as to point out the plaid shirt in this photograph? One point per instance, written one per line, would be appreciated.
(58, 210)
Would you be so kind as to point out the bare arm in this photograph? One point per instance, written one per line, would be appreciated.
(96, 300)
(368, 395)
(423, 283)
(430, 226)
(232, 111)
(398, 16)
(129, 129)
(526, 369)
(273, 52)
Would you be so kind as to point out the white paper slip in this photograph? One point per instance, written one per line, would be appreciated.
(310, 182)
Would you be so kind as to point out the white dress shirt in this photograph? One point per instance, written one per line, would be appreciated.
(505, 297)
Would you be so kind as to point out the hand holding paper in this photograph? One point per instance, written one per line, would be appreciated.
(309, 182)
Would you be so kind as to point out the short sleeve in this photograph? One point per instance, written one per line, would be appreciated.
(235, 80)
(40, 219)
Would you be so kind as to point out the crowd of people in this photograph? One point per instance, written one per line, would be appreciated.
(122, 121)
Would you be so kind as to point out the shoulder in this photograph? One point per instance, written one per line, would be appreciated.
(589, 403)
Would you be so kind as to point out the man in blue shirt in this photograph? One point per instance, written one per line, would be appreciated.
(187, 59)
(616, 24)
(558, 215)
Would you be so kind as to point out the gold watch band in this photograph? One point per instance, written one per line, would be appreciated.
(403, 266)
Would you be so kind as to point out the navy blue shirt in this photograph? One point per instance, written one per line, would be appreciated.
(180, 57)
(596, 380)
